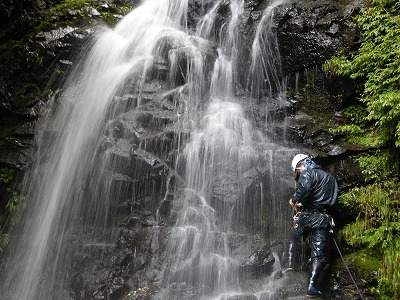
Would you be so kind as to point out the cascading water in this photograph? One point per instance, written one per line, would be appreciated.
(265, 74)
(106, 115)
(222, 144)
(199, 251)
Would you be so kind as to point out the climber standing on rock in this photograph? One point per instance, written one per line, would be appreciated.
(316, 194)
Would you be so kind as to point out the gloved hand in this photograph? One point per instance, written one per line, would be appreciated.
(296, 206)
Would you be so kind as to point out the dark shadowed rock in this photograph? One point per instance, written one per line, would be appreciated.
(260, 263)
(311, 31)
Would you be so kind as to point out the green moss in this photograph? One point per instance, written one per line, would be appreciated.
(74, 12)
(314, 104)
(291, 92)
(368, 261)
(67, 12)
(365, 264)
(108, 17)
(123, 10)
(4, 240)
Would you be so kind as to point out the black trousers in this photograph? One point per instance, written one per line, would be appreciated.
(315, 226)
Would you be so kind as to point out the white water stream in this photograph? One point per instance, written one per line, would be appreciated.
(222, 142)
(265, 74)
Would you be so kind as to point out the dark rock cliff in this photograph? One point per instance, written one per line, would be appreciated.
(309, 32)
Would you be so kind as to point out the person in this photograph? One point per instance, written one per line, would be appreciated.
(316, 194)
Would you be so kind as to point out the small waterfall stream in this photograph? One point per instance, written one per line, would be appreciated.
(107, 114)
(265, 74)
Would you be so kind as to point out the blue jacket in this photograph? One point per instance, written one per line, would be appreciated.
(317, 189)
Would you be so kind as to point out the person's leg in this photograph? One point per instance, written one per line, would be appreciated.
(319, 257)
(288, 258)
(291, 253)
(316, 268)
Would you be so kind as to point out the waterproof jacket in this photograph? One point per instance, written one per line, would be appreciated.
(317, 189)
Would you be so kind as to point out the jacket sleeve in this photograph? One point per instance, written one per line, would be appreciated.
(304, 188)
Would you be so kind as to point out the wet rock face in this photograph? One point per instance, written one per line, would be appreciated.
(34, 63)
(119, 268)
(196, 10)
(309, 32)
(23, 99)
(260, 263)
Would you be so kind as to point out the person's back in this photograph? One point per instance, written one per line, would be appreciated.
(317, 189)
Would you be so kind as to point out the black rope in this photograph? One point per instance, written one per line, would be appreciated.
(347, 269)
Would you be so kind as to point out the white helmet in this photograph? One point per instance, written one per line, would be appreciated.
(296, 159)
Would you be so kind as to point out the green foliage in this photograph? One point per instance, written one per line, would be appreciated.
(377, 227)
(6, 175)
(124, 10)
(375, 123)
(337, 65)
(4, 240)
(69, 12)
(18, 61)
(110, 14)
(377, 66)
(382, 165)
(19, 16)
(64, 13)
(357, 134)
(389, 283)
(357, 114)
(33, 56)
(15, 202)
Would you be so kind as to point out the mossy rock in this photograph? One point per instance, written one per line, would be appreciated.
(364, 265)
(27, 96)
(366, 260)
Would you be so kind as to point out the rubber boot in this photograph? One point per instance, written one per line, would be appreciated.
(290, 258)
(312, 291)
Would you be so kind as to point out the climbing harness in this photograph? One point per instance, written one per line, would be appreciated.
(347, 269)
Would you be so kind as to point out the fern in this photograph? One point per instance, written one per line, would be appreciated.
(377, 226)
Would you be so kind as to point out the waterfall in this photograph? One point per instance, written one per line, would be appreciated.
(222, 144)
(106, 114)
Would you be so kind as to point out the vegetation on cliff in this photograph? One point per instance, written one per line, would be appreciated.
(27, 16)
(374, 121)
(22, 57)
(14, 201)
